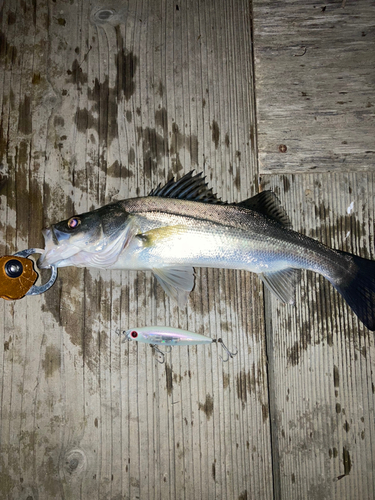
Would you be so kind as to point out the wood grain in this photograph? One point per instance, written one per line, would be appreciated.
(321, 358)
(315, 73)
(102, 101)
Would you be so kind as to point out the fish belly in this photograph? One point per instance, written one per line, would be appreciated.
(201, 248)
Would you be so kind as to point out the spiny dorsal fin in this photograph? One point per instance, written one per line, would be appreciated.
(194, 188)
(268, 204)
(189, 187)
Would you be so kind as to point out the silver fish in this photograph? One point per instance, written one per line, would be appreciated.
(183, 225)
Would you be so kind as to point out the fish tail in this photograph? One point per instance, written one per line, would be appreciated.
(358, 287)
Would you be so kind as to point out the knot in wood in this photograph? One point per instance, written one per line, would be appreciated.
(104, 15)
(75, 462)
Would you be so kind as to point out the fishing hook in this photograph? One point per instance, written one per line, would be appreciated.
(229, 354)
(153, 346)
(162, 354)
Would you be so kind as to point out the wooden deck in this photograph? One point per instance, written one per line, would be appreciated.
(104, 100)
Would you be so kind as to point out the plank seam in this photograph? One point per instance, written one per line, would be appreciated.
(275, 462)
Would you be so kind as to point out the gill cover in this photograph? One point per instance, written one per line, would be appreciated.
(91, 239)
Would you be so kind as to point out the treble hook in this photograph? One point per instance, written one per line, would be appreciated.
(230, 354)
(162, 354)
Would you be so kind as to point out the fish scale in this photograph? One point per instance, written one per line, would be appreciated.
(171, 233)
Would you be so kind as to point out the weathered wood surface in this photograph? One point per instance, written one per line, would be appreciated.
(315, 90)
(321, 359)
(104, 100)
(315, 73)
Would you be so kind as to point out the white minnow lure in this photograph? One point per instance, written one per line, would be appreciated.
(168, 336)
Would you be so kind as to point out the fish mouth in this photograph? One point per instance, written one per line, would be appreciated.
(58, 250)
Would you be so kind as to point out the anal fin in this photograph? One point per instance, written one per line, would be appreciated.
(282, 284)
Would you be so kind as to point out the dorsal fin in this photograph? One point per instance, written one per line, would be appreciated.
(189, 187)
(194, 188)
(268, 204)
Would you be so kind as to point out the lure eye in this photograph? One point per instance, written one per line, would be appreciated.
(74, 222)
(134, 334)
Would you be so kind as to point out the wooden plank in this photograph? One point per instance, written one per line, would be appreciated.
(104, 100)
(315, 74)
(321, 359)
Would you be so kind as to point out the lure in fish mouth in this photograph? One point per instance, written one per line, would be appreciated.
(183, 225)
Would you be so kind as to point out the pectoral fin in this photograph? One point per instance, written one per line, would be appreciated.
(177, 283)
(282, 284)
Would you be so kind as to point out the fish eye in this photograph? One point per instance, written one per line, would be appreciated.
(74, 222)
(134, 334)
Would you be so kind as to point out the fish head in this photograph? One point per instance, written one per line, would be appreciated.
(92, 239)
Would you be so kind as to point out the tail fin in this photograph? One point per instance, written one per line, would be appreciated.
(359, 289)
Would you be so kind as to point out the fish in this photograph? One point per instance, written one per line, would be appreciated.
(184, 225)
(169, 336)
